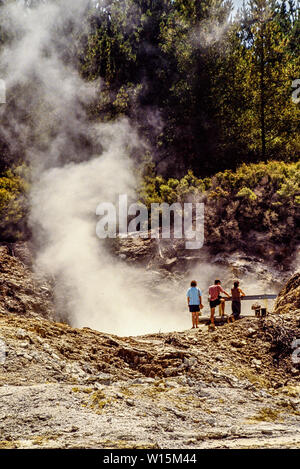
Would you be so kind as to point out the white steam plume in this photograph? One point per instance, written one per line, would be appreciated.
(76, 165)
(92, 287)
(98, 290)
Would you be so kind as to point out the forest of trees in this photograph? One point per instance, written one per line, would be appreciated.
(207, 92)
(206, 89)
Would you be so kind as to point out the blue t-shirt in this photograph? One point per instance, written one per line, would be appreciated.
(193, 294)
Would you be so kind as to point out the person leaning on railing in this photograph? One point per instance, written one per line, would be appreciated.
(215, 300)
(236, 294)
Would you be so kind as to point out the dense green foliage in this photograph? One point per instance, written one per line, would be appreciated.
(13, 206)
(255, 200)
(206, 93)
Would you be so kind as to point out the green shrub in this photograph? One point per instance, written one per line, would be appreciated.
(13, 206)
(264, 197)
(246, 193)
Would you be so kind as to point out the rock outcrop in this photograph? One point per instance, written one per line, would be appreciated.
(288, 300)
(282, 329)
(21, 291)
(169, 257)
(77, 388)
(62, 387)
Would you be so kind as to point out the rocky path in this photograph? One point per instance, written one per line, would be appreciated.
(147, 413)
(76, 388)
(62, 387)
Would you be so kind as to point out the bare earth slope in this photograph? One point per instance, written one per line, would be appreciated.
(62, 387)
(21, 291)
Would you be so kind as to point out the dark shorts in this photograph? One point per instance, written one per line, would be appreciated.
(236, 308)
(194, 308)
(215, 303)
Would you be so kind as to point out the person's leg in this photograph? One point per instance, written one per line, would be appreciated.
(193, 319)
(222, 307)
(236, 309)
(212, 316)
(192, 314)
(197, 319)
(231, 317)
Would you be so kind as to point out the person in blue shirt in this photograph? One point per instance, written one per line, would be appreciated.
(194, 300)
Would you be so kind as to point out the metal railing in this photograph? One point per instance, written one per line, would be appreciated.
(255, 297)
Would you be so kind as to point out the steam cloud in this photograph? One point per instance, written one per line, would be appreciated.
(71, 176)
(76, 165)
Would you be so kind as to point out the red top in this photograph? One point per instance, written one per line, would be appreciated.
(214, 292)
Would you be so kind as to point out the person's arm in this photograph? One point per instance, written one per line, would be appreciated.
(225, 293)
(200, 298)
(241, 292)
(188, 299)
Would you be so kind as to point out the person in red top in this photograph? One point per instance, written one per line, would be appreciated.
(215, 300)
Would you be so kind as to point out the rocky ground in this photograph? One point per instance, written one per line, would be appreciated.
(21, 291)
(170, 258)
(62, 387)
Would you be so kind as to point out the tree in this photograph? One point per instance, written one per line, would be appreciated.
(253, 86)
